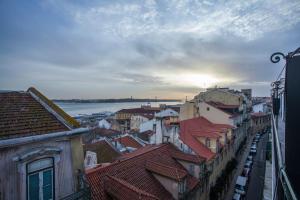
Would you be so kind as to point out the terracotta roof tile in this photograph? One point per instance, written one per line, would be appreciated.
(118, 188)
(188, 157)
(132, 174)
(21, 115)
(128, 141)
(200, 127)
(105, 151)
(259, 114)
(165, 170)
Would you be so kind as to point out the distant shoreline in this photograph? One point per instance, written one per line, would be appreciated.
(113, 100)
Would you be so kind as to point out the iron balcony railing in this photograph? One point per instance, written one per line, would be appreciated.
(280, 172)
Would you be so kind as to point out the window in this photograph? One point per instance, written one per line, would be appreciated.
(40, 176)
(192, 169)
(207, 108)
(207, 142)
(182, 186)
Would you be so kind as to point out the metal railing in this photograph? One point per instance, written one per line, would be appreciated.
(280, 171)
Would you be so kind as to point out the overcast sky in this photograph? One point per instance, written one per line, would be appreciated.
(163, 48)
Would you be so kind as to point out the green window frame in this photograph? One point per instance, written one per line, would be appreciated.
(40, 179)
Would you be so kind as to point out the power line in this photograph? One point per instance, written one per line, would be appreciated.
(279, 75)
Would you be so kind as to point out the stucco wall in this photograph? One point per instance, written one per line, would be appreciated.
(13, 173)
(169, 184)
(187, 110)
(213, 114)
(136, 121)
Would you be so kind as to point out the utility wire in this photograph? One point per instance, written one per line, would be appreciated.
(279, 75)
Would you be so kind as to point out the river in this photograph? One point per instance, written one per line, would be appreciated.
(75, 109)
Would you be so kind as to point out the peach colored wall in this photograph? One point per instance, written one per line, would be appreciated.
(187, 110)
(213, 114)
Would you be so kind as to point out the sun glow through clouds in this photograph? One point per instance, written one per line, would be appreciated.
(199, 80)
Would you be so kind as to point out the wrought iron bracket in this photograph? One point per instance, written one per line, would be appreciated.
(276, 57)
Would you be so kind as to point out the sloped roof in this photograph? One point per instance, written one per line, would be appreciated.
(106, 132)
(200, 127)
(188, 157)
(221, 105)
(22, 114)
(167, 113)
(132, 170)
(118, 187)
(165, 170)
(106, 152)
(128, 141)
(259, 114)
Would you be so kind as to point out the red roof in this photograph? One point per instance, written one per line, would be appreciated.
(106, 152)
(200, 127)
(118, 187)
(22, 115)
(259, 114)
(128, 141)
(165, 170)
(133, 174)
(188, 157)
(221, 105)
(228, 109)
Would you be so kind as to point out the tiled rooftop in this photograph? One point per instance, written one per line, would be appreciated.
(132, 171)
(118, 188)
(104, 149)
(128, 141)
(21, 115)
(200, 127)
(259, 114)
(165, 170)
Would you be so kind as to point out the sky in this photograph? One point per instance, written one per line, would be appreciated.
(144, 48)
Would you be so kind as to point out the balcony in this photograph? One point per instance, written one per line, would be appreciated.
(283, 187)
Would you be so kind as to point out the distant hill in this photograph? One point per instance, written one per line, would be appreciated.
(125, 100)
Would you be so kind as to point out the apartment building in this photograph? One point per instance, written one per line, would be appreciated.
(40, 148)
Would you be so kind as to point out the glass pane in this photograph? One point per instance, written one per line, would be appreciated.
(47, 184)
(33, 187)
(39, 164)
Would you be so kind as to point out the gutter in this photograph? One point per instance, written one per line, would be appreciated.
(36, 138)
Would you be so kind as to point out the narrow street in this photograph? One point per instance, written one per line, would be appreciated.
(256, 181)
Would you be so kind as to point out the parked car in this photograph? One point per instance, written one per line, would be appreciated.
(237, 196)
(248, 164)
(240, 185)
(250, 158)
(246, 172)
(253, 150)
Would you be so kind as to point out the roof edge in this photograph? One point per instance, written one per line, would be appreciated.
(60, 114)
(36, 138)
